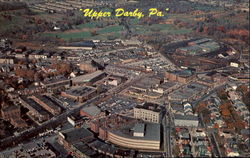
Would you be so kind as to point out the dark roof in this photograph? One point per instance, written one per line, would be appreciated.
(83, 148)
(35, 105)
(77, 135)
(183, 73)
(150, 106)
(186, 117)
(45, 100)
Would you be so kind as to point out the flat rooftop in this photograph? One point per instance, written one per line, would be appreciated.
(183, 73)
(91, 110)
(188, 91)
(35, 106)
(80, 91)
(84, 149)
(55, 80)
(186, 117)
(87, 77)
(77, 135)
(139, 128)
(47, 101)
(146, 83)
(167, 85)
(150, 106)
(152, 132)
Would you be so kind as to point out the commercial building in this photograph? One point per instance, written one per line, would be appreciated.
(35, 110)
(186, 120)
(188, 92)
(47, 104)
(88, 78)
(117, 105)
(146, 83)
(183, 76)
(91, 111)
(82, 150)
(212, 79)
(75, 135)
(88, 66)
(80, 94)
(150, 139)
(110, 149)
(146, 88)
(149, 112)
(127, 132)
(75, 140)
(56, 84)
(166, 87)
(135, 93)
(75, 120)
(121, 71)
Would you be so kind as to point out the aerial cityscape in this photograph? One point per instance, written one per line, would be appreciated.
(124, 78)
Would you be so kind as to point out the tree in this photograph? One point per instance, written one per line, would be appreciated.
(62, 68)
(200, 107)
(242, 88)
(225, 112)
(28, 74)
(222, 94)
(216, 126)
(225, 108)
(94, 33)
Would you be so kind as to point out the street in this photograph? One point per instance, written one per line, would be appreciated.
(57, 120)
(167, 136)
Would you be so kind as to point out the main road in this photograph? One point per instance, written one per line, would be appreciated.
(57, 120)
(52, 123)
(167, 135)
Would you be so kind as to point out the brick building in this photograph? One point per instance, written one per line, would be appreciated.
(183, 76)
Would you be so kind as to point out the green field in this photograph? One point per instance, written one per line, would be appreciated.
(68, 36)
(89, 25)
(110, 29)
(162, 28)
(102, 33)
(116, 31)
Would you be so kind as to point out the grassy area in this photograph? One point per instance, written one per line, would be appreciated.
(89, 25)
(116, 31)
(134, 21)
(163, 28)
(176, 31)
(102, 34)
(68, 36)
(110, 29)
(182, 17)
